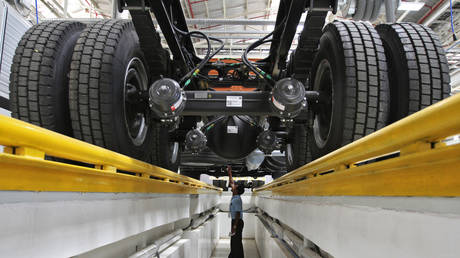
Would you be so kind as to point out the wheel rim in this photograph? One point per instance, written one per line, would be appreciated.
(174, 152)
(289, 155)
(322, 123)
(134, 108)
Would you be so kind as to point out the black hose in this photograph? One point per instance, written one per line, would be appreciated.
(208, 55)
(254, 45)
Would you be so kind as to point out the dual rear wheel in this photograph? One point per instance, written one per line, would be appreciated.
(368, 78)
(86, 82)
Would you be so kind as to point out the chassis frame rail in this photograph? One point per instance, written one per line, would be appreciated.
(425, 166)
(23, 166)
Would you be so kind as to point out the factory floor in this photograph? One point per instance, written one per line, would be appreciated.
(223, 248)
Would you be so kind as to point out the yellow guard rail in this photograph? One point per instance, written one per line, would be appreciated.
(425, 166)
(23, 166)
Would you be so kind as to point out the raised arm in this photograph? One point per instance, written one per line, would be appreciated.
(230, 178)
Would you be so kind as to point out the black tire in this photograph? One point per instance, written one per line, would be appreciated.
(107, 73)
(297, 152)
(39, 75)
(194, 175)
(417, 68)
(350, 71)
(276, 175)
(274, 164)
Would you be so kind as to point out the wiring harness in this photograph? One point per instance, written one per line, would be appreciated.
(259, 72)
(194, 72)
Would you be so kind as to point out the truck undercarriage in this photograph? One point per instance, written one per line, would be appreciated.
(111, 83)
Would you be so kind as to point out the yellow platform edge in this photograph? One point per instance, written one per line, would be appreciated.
(23, 166)
(425, 166)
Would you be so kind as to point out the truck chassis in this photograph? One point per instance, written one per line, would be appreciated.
(111, 83)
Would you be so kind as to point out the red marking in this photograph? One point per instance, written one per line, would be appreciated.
(199, 1)
(436, 6)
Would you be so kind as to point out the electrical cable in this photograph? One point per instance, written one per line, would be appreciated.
(252, 47)
(259, 72)
(452, 22)
(196, 69)
(194, 72)
(36, 10)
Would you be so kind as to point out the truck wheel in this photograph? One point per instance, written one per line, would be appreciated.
(39, 75)
(297, 151)
(417, 68)
(274, 164)
(108, 73)
(350, 72)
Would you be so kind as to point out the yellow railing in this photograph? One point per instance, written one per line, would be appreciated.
(23, 165)
(425, 166)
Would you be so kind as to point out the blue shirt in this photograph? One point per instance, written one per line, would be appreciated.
(236, 205)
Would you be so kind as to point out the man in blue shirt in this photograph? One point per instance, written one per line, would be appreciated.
(236, 210)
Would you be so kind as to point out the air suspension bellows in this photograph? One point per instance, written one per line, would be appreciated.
(195, 140)
(166, 98)
(288, 97)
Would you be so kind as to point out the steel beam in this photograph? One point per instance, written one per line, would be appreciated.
(199, 21)
(214, 103)
(115, 12)
(282, 40)
(160, 8)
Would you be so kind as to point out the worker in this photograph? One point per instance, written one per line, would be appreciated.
(236, 210)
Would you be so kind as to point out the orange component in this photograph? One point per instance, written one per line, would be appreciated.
(234, 88)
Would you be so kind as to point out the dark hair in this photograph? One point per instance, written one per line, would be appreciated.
(240, 188)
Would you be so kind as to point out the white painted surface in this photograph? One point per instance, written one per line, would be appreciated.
(203, 239)
(5, 112)
(15, 27)
(180, 249)
(203, 202)
(50, 226)
(130, 245)
(116, 225)
(267, 246)
(372, 227)
(206, 178)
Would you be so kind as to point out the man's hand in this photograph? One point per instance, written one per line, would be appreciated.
(229, 172)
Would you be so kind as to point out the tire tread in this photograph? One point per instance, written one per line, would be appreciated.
(32, 78)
